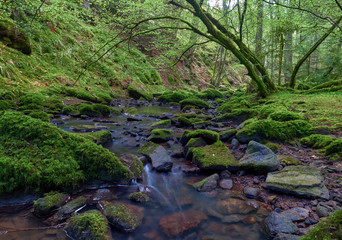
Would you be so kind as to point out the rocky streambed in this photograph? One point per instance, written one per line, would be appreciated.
(193, 184)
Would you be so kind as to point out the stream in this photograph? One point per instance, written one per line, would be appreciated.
(228, 214)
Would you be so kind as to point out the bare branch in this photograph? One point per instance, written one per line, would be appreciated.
(338, 4)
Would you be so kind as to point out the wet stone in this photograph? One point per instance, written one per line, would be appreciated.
(226, 184)
(179, 223)
(208, 184)
(296, 214)
(45, 206)
(251, 192)
(103, 195)
(233, 206)
(276, 223)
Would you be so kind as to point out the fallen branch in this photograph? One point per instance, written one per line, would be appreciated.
(31, 229)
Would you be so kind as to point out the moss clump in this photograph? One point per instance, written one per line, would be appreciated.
(237, 114)
(236, 102)
(210, 93)
(268, 109)
(134, 164)
(289, 160)
(273, 130)
(329, 228)
(317, 141)
(148, 148)
(194, 102)
(226, 135)
(163, 123)
(46, 205)
(213, 157)
(139, 197)
(274, 147)
(283, 116)
(209, 136)
(132, 111)
(161, 135)
(35, 155)
(5, 105)
(183, 122)
(99, 137)
(71, 110)
(40, 115)
(175, 96)
(89, 225)
(37, 101)
(334, 148)
(137, 94)
(94, 110)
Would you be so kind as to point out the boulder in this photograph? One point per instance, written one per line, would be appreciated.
(161, 135)
(158, 156)
(45, 206)
(208, 184)
(226, 135)
(67, 210)
(13, 37)
(296, 214)
(125, 217)
(193, 143)
(298, 180)
(179, 223)
(226, 184)
(276, 223)
(259, 159)
(91, 225)
(214, 157)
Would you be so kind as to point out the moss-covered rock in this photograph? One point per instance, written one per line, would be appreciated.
(193, 143)
(124, 217)
(183, 122)
(214, 157)
(162, 123)
(40, 115)
(288, 161)
(175, 96)
(273, 130)
(91, 225)
(208, 184)
(284, 116)
(132, 111)
(139, 197)
(298, 180)
(148, 148)
(273, 146)
(71, 110)
(317, 141)
(99, 137)
(194, 102)
(237, 115)
(67, 210)
(14, 37)
(161, 135)
(210, 93)
(45, 206)
(35, 155)
(133, 163)
(334, 148)
(209, 136)
(226, 135)
(94, 110)
(137, 93)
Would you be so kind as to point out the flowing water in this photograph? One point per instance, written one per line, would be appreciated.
(229, 216)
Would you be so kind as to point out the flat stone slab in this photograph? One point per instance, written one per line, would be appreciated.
(302, 181)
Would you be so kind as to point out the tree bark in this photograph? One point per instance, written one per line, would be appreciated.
(259, 33)
(312, 49)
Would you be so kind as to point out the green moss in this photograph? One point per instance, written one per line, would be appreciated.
(139, 197)
(235, 102)
(226, 135)
(268, 109)
(283, 116)
(89, 225)
(36, 156)
(214, 157)
(194, 102)
(334, 148)
(99, 137)
(137, 93)
(327, 229)
(274, 130)
(184, 122)
(5, 105)
(71, 110)
(132, 111)
(94, 110)
(209, 136)
(289, 160)
(274, 147)
(44, 206)
(237, 114)
(161, 135)
(148, 148)
(317, 141)
(173, 96)
(162, 123)
(40, 115)
(210, 93)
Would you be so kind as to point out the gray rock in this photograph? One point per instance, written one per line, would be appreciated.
(47, 205)
(322, 211)
(284, 236)
(296, 214)
(226, 184)
(158, 155)
(235, 143)
(298, 180)
(208, 184)
(251, 192)
(226, 135)
(276, 223)
(259, 159)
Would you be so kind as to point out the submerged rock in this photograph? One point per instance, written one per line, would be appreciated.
(161, 135)
(276, 223)
(226, 184)
(298, 180)
(208, 184)
(158, 156)
(139, 197)
(251, 192)
(233, 206)
(259, 159)
(91, 225)
(44, 207)
(179, 223)
(122, 216)
(214, 157)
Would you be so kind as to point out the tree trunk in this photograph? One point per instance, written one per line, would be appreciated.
(312, 49)
(281, 50)
(288, 55)
(259, 33)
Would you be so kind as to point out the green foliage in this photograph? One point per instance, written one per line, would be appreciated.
(137, 93)
(94, 110)
(334, 148)
(36, 156)
(91, 224)
(194, 102)
(235, 102)
(327, 229)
